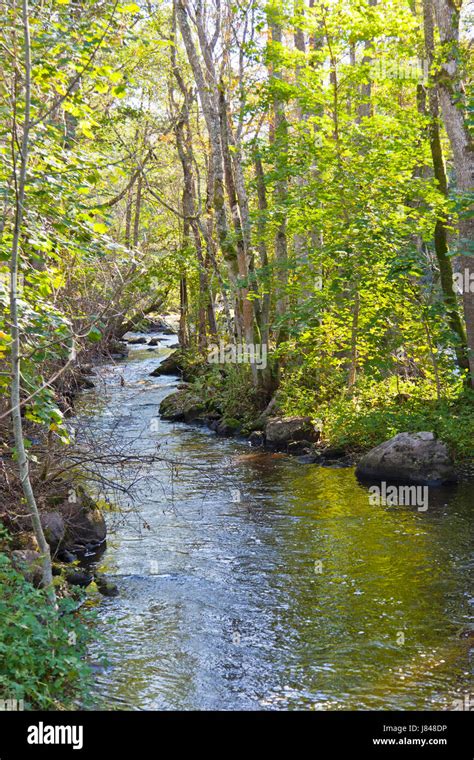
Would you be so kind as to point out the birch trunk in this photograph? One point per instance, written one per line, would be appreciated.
(211, 117)
(23, 464)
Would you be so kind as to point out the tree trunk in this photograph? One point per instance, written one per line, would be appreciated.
(280, 145)
(246, 306)
(22, 458)
(264, 321)
(128, 217)
(211, 117)
(442, 227)
(183, 312)
(453, 105)
(138, 207)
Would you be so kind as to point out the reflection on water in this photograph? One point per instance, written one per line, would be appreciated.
(250, 581)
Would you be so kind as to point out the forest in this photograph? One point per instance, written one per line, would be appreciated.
(275, 200)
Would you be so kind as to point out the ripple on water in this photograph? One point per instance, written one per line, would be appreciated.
(261, 583)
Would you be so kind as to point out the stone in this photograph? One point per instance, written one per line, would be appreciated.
(308, 459)
(182, 406)
(333, 453)
(137, 341)
(78, 577)
(66, 556)
(29, 564)
(169, 366)
(84, 521)
(227, 427)
(106, 587)
(181, 363)
(26, 540)
(257, 438)
(280, 431)
(299, 448)
(83, 383)
(118, 349)
(54, 528)
(418, 458)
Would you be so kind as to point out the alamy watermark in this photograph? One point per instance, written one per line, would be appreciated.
(415, 69)
(464, 281)
(11, 704)
(399, 496)
(238, 353)
(464, 704)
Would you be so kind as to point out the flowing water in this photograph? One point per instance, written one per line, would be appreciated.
(250, 581)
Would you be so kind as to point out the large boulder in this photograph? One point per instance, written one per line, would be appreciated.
(280, 431)
(180, 362)
(85, 524)
(54, 528)
(172, 365)
(182, 406)
(418, 458)
(227, 427)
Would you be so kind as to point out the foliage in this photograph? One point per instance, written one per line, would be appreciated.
(318, 238)
(42, 652)
(374, 412)
(230, 392)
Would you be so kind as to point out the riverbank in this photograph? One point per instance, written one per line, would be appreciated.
(207, 511)
(51, 671)
(249, 581)
(342, 429)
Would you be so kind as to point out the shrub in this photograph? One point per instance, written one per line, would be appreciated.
(42, 650)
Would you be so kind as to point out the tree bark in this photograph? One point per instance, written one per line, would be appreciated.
(138, 208)
(20, 182)
(453, 105)
(441, 227)
(211, 117)
(280, 145)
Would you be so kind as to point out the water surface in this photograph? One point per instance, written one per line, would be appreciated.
(250, 581)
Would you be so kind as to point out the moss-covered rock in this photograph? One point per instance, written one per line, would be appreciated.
(227, 427)
(105, 587)
(180, 362)
(280, 431)
(182, 406)
(85, 524)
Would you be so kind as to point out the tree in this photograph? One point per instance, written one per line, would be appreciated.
(454, 108)
(20, 168)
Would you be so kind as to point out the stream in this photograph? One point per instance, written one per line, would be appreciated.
(250, 581)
